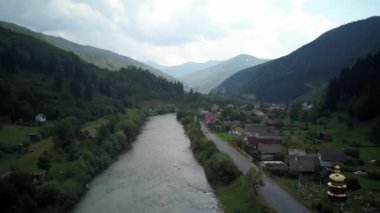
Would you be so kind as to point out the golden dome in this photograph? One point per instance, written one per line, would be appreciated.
(337, 176)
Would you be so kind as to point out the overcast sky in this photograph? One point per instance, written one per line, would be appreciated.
(175, 31)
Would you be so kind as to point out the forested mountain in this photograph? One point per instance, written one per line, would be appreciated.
(357, 89)
(101, 58)
(37, 77)
(181, 70)
(208, 78)
(308, 67)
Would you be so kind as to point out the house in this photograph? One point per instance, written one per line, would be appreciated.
(270, 151)
(230, 106)
(215, 108)
(257, 113)
(307, 106)
(270, 148)
(276, 107)
(211, 118)
(303, 164)
(324, 174)
(329, 158)
(257, 130)
(292, 154)
(41, 118)
(297, 152)
(92, 134)
(231, 124)
(203, 113)
(276, 124)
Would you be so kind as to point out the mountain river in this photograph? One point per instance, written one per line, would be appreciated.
(159, 174)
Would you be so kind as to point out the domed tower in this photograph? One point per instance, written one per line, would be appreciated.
(337, 186)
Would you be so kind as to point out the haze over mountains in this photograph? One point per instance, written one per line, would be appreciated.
(309, 67)
(101, 58)
(289, 77)
(208, 78)
(183, 69)
(205, 76)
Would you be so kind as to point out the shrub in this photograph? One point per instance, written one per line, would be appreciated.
(43, 162)
(349, 162)
(220, 168)
(278, 170)
(353, 183)
(49, 194)
(374, 174)
(352, 152)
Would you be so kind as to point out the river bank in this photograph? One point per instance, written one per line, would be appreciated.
(158, 174)
(235, 191)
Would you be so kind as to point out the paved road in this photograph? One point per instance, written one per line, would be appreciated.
(273, 194)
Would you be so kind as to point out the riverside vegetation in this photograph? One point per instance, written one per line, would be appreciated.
(92, 114)
(235, 191)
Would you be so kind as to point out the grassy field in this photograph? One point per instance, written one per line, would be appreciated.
(95, 124)
(240, 197)
(28, 161)
(355, 135)
(13, 135)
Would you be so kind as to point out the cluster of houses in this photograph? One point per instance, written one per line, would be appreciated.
(265, 138)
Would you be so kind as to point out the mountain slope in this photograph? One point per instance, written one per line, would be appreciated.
(101, 58)
(206, 79)
(308, 67)
(37, 77)
(187, 68)
(356, 90)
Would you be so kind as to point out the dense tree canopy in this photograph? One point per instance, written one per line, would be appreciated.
(357, 89)
(36, 77)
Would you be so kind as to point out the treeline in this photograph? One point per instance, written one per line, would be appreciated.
(76, 157)
(356, 90)
(36, 77)
(219, 167)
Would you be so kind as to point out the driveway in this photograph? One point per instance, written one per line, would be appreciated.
(274, 195)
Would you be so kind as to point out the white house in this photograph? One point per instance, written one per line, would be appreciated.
(40, 118)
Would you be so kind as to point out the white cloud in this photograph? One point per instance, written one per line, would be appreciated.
(174, 31)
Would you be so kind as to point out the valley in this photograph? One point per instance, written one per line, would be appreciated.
(201, 126)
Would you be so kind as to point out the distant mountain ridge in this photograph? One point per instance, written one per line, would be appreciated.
(185, 68)
(308, 67)
(100, 57)
(208, 78)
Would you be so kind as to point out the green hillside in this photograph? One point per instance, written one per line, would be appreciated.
(308, 67)
(101, 58)
(36, 77)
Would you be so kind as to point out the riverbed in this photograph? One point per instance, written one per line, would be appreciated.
(159, 174)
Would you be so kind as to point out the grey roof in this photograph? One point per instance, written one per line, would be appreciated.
(332, 155)
(289, 158)
(296, 152)
(303, 163)
(270, 148)
(231, 123)
(260, 130)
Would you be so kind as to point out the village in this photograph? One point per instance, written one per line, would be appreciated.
(299, 156)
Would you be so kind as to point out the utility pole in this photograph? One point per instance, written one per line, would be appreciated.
(299, 181)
